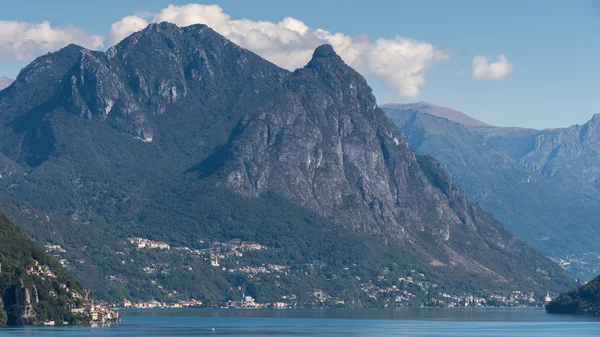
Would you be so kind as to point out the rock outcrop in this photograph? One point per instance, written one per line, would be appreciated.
(568, 156)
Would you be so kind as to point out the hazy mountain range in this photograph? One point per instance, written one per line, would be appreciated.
(436, 110)
(568, 156)
(5, 82)
(181, 136)
(525, 177)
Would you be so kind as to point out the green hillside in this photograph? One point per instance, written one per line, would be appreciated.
(33, 285)
(582, 300)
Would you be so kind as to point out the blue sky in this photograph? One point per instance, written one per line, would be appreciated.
(553, 48)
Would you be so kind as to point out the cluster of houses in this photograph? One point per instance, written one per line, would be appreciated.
(217, 251)
(50, 248)
(405, 291)
(514, 299)
(221, 250)
(142, 243)
(264, 269)
(248, 302)
(99, 313)
(40, 270)
(157, 304)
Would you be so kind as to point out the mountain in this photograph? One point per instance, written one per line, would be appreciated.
(436, 110)
(568, 156)
(237, 170)
(553, 219)
(34, 288)
(5, 82)
(582, 300)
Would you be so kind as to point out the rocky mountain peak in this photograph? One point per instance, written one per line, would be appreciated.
(162, 27)
(325, 57)
(342, 83)
(47, 67)
(324, 51)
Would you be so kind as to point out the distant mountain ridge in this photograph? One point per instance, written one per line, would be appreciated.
(568, 156)
(436, 110)
(552, 217)
(5, 82)
(179, 135)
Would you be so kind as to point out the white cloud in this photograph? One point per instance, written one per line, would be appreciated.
(400, 61)
(484, 70)
(23, 41)
(124, 27)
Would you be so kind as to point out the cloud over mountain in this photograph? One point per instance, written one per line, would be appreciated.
(23, 40)
(399, 61)
(289, 43)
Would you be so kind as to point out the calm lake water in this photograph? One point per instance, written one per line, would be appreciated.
(331, 322)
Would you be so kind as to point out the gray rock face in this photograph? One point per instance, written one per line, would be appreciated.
(568, 156)
(322, 142)
(22, 310)
(124, 86)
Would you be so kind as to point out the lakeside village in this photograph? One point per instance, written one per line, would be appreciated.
(403, 292)
(98, 312)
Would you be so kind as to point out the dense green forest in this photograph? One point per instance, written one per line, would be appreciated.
(295, 237)
(582, 300)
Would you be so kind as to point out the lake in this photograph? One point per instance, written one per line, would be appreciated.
(331, 322)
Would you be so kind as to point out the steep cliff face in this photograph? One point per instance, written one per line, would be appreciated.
(21, 312)
(322, 142)
(568, 156)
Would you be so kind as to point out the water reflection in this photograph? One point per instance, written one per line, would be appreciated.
(333, 322)
(421, 314)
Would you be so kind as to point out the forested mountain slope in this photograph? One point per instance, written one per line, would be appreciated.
(178, 135)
